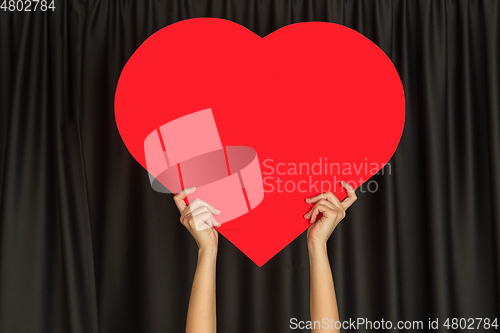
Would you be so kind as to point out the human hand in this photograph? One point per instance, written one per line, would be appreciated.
(198, 219)
(333, 212)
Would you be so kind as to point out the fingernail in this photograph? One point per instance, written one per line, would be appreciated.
(217, 211)
(307, 200)
(189, 190)
(305, 215)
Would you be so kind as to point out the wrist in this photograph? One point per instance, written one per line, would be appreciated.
(207, 253)
(316, 247)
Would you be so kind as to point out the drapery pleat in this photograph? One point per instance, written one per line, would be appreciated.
(47, 281)
(87, 246)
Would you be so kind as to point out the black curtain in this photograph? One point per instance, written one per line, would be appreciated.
(88, 246)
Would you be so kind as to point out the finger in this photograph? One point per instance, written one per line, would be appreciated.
(179, 198)
(196, 203)
(215, 223)
(328, 196)
(328, 213)
(186, 218)
(321, 201)
(322, 219)
(351, 195)
(318, 208)
(199, 210)
(205, 220)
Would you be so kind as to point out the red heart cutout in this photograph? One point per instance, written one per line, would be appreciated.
(319, 102)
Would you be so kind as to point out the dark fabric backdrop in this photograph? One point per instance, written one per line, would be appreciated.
(88, 246)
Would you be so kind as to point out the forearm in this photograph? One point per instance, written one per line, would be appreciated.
(201, 316)
(323, 303)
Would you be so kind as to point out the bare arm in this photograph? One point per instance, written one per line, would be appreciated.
(323, 303)
(198, 219)
(201, 316)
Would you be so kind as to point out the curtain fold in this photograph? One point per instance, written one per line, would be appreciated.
(87, 246)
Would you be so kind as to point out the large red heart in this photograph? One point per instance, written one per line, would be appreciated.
(319, 102)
